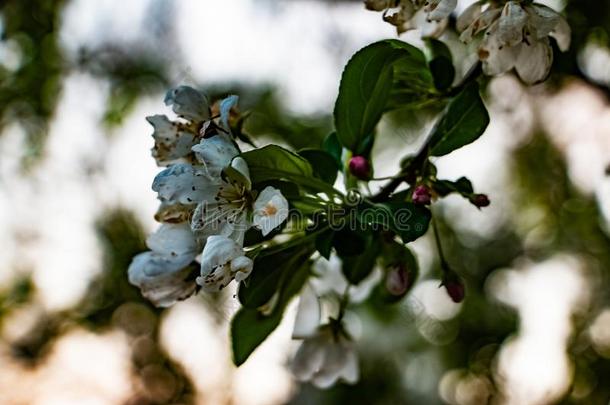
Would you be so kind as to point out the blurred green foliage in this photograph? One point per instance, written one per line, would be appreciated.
(29, 93)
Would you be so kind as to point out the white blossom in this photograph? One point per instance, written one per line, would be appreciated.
(270, 210)
(516, 36)
(215, 153)
(173, 140)
(188, 103)
(183, 183)
(325, 358)
(329, 280)
(164, 274)
(222, 260)
(228, 212)
(430, 16)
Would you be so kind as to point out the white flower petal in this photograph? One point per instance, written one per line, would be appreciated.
(174, 213)
(309, 358)
(270, 210)
(439, 9)
(225, 110)
(241, 267)
(324, 359)
(562, 34)
(511, 24)
(188, 103)
(543, 20)
(534, 62)
(330, 278)
(351, 371)
(496, 58)
(480, 24)
(222, 260)
(241, 166)
(219, 219)
(469, 15)
(182, 183)
(172, 140)
(173, 240)
(335, 360)
(163, 280)
(215, 153)
(307, 319)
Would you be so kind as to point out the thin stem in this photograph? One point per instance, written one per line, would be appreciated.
(396, 176)
(343, 302)
(294, 241)
(444, 263)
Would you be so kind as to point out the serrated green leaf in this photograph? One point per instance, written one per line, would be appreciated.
(463, 122)
(273, 162)
(266, 161)
(366, 85)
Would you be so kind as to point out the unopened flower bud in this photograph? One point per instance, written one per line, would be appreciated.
(421, 195)
(456, 290)
(479, 200)
(360, 167)
(397, 281)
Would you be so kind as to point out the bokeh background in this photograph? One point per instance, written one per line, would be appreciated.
(78, 77)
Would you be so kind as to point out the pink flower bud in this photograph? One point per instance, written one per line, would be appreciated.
(397, 281)
(456, 290)
(480, 200)
(360, 167)
(421, 195)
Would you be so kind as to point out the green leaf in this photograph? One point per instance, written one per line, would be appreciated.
(357, 268)
(350, 242)
(273, 162)
(366, 84)
(333, 147)
(409, 221)
(324, 165)
(324, 243)
(463, 122)
(461, 186)
(440, 62)
(270, 270)
(288, 189)
(250, 327)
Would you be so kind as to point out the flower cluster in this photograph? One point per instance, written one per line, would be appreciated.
(405, 15)
(511, 34)
(516, 35)
(207, 204)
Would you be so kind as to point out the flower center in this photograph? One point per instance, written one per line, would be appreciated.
(269, 210)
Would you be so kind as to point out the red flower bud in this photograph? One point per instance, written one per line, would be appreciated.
(480, 200)
(421, 195)
(397, 281)
(456, 290)
(360, 167)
